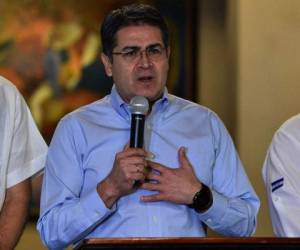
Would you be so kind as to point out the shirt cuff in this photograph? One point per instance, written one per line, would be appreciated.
(216, 212)
(94, 207)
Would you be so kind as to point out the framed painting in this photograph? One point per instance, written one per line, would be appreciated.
(51, 52)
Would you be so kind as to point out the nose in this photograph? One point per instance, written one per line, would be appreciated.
(144, 60)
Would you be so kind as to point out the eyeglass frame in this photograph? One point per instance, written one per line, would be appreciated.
(139, 52)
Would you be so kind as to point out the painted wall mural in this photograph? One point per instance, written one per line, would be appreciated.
(50, 50)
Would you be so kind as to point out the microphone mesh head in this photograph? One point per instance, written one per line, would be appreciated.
(139, 105)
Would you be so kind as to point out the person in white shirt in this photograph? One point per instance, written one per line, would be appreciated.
(281, 173)
(22, 155)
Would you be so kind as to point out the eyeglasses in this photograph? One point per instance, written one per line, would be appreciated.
(133, 54)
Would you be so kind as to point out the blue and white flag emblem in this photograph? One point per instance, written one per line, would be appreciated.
(277, 184)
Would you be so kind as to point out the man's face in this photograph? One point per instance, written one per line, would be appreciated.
(140, 62)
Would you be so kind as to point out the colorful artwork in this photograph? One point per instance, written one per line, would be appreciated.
(50, 50)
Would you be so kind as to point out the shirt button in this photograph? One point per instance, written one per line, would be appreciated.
(208, 220)
(276, 199)
(149, 126)
(154, 219)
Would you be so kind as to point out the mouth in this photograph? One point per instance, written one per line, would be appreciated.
(145, 79)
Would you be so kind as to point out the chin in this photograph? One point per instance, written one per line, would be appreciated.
(150, 93)
(153, 98)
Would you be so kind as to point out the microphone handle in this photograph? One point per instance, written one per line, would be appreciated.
(137, 130)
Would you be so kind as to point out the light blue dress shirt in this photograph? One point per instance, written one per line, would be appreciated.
(82, 153)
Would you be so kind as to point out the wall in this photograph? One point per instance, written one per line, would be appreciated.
(216, 86)
(268, 79)
(249, 74)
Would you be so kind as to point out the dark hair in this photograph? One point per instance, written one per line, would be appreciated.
(129, 15)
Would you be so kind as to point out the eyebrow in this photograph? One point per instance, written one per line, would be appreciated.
(137, 47)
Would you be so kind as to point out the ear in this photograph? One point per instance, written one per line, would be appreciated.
(107, 64)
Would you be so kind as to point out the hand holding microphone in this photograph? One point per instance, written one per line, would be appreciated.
(129, 164)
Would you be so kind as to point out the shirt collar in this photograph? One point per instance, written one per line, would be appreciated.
(119, 105)
(162, 103)
(122, 108)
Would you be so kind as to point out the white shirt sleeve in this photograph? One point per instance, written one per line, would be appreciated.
(28, 149)
(23, 150)
(281, 173)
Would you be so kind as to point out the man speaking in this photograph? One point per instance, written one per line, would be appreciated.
(188, 171)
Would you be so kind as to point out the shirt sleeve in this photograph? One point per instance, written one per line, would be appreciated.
(235, 203)
(66, 216)
(28, 150)
(281, 176)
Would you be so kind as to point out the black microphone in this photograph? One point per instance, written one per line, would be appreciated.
(139, 107)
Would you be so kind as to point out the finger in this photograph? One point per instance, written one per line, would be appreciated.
(135, 169)
(156, 166)
(184, 161)
(140, 169)
(135, 161)
(153, 197)
(135, 152)
(151, 186)
(128, 168)
(137, 177)
(131, 153)
(126, 146)
(154, 177)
